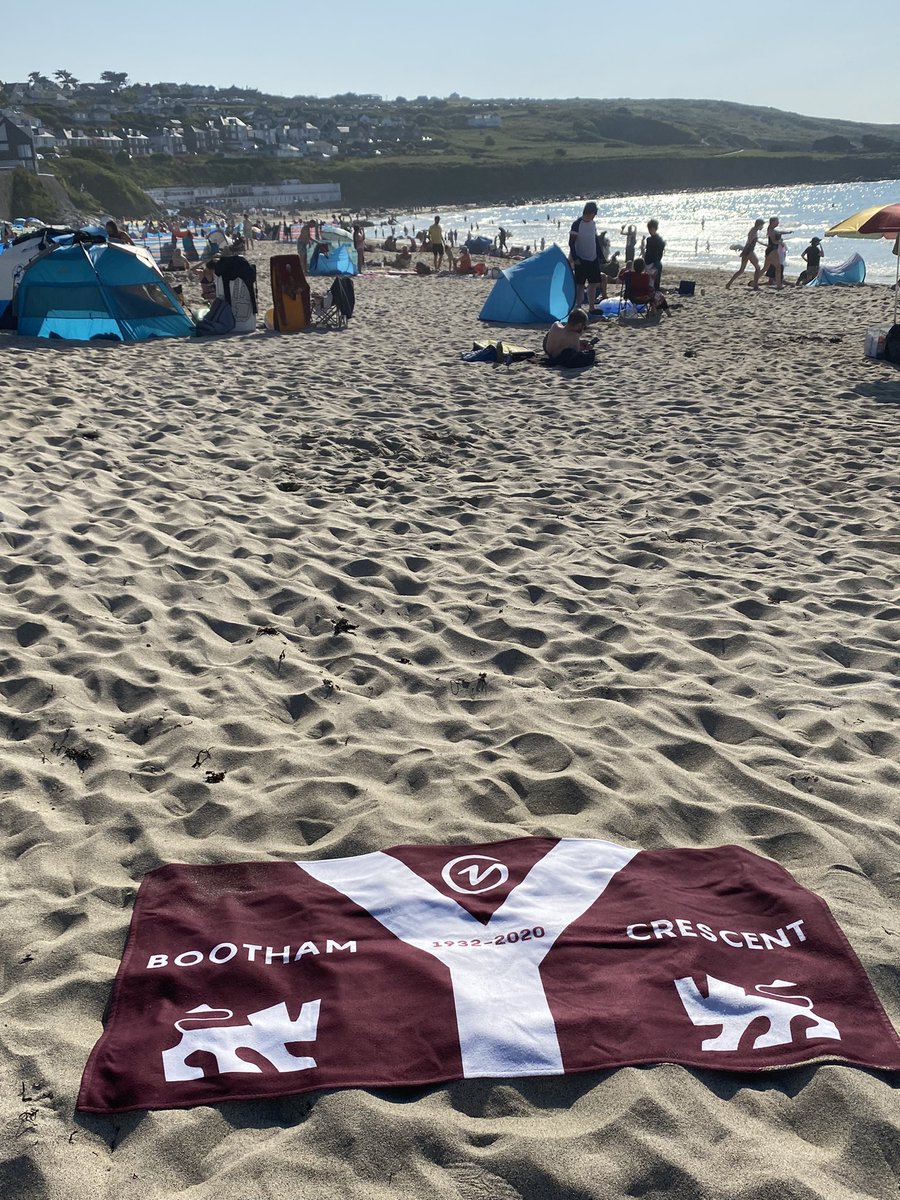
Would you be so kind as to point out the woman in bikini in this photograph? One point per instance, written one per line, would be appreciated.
(748, 255)
(776, 252)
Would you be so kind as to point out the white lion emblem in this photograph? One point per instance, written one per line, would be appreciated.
(734, 1009)
(267, 1032)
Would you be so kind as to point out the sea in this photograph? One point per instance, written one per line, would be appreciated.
(700, 228)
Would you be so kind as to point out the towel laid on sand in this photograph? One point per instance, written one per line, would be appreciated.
(421, 964)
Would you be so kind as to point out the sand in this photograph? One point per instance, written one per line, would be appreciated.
(656, 602)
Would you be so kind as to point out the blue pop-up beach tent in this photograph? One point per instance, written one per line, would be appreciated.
(851, 271)
(332, 253)
(23, 250)
(535, 291)
(478, 245)
(91, 292)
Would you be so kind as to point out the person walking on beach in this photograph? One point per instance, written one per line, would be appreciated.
(776, 252)
(435, 239)
(585, 256)
(748, 255)
(654, 248)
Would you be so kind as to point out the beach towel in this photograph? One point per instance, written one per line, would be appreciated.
(496, 352)
(422, 964)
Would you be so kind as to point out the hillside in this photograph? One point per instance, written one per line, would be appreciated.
(408, 152)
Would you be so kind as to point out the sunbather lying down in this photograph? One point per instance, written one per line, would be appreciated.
(565, 344)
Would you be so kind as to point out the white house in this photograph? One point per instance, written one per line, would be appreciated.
(485, 121)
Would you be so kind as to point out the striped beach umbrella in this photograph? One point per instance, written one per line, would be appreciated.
(883, 220)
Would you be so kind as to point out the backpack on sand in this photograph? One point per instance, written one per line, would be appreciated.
(892, 345)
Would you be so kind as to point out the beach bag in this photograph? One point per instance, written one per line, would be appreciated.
(219, 319)
(892, 345)
(687, 286)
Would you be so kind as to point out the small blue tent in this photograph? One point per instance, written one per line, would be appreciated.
(851, 271)
(478, 245)
(332, 253)
(535, 291)
(86, 292)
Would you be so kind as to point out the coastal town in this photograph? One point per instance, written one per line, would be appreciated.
(48, 117)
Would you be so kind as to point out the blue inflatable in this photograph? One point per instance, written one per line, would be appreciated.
(535, 291)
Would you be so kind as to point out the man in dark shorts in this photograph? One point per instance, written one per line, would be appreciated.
(585, 256)
(434, 239)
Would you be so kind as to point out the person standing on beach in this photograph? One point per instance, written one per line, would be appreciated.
(585, 256)
(359, 245)
(748, 255)
(630, 241)
(776, 252)
(654, 248)
(812, 256)
(435, 239)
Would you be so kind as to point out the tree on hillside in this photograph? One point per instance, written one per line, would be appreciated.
(66, 79)
(115, 79)
(35, 77)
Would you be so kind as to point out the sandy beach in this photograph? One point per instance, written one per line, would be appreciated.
(656, 602)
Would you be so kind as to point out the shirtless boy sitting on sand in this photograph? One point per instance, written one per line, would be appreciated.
(564, 342)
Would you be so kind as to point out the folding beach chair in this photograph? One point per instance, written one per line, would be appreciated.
(335, 308)
(635, 297)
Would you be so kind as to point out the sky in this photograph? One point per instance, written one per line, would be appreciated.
(699, 49)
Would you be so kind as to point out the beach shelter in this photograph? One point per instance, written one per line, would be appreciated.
(535, 291)
(98, 292)
(24, 250)
(332, 253)
(851, 271)
(478, 245)
(882, 220)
